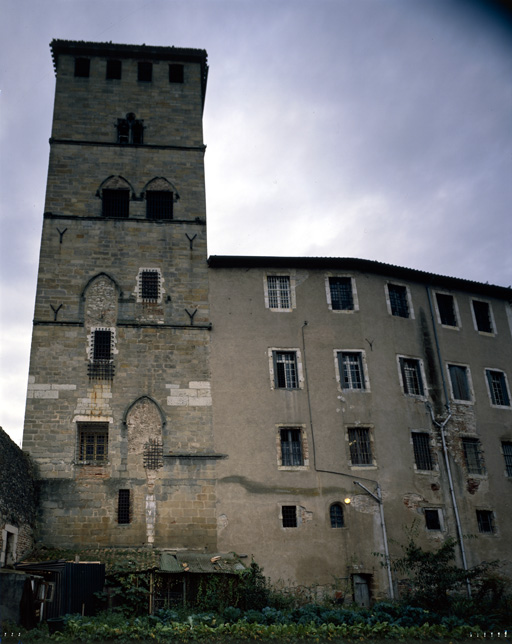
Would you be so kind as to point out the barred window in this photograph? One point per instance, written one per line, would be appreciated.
(159, 204)
(153, 454)
(279, 291)
(446, 307)
(336, 515)
(291, 447)
(411, 376)
(473, 456)
(101, 364)
(507, 455)
(342, 298)
(483, 320)
(485, 520)
(285, 370)
(459, 381)
(398, 300)
(115, 203)
(123, 506)
(360, 446)
(498, 388)
(130, 130)
(422, 450)
(289, 514)
(351, 370)
(92, 442)
(149, 285)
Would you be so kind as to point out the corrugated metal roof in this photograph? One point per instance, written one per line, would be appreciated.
(198, 562)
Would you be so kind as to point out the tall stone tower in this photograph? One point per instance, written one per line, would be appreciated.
(118, 415)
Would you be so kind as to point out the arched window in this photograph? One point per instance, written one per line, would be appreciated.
(115, 197)
(160, 197)
(130, 130)
(336, 514)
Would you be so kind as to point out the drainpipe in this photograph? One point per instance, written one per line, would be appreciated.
(441, 426)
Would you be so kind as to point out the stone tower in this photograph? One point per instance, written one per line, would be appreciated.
(118, 415)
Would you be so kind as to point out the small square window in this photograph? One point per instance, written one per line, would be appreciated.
(483, 319)
(342, 298)
(506, 447)
(92, 442)
(360, 446)
(175, 73)
(485, 520)
(82, 67)
(289, 514)
(459, 381)
(159, 204)
(411, 376)
(115, 203)
(446, 308)
(422, 451)
(472, 456)
(351, 370)
(123, 506)
(498, 388)
(398, 300)
(113, 69)
(291, 447)
(432, 519)
(336, 516)
(285, 370)
(149, 284)
(278, 287)
(145, 72)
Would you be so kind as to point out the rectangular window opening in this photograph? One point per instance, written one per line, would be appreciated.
(342, 298)
(498, 388)
(482, 313)
(123, 507)
(150, 286)
(115, 203)
(432, 519)
(360, 446)
(411, 376)
(113, 69)
(175, 73)
(446, 306)
(92, 442)
(285, 370)
(145, 72)
(289, 514)
(507, 455)
(398, 300)
(279, 291)
(82, 67)
(422, 451)
(459, 381)
(101, 365)
(473, 456)
(485, 520)
(351, 370)
(159, 204)
(291, 448)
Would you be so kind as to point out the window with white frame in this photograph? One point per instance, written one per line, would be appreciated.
(459, 382)
(359, 442)
(498, 387)
(473, 458)
(341, 293)
(446, 309)
(422, 451)
(285, 369)
(399, 300)
(149, 285)
(412, 378)
(482, 316)
(278, 292)
(351, 370)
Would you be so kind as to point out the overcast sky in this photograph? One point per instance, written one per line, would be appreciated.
(378, 129)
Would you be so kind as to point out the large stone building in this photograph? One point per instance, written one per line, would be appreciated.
(299, 410)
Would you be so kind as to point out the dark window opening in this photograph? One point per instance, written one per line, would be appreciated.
(145, 72)
(336, 515)
(432, 520)
(175, 73)
(460, 383)
(398, 300)
(101, 366)
(351, 370)
(291, 447)
(92, 442)
(446, 307)
(342, 298)
(113, 69)
(422, 451)
(360, 446)
(82, 67)
(150, 285)
(498, 388)
(130, 130)
(115, 203)
(289, 513)
(472, 455)
(159, 204)
(153, 454)
(507, 455)
(485, 519)
(411, 376)
(482, 316)
(285, 370)
(123, 506)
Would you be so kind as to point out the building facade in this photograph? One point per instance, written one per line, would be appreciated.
(300, 410)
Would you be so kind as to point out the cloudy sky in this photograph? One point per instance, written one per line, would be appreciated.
(378, 129)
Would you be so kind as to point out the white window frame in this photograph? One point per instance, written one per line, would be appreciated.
(355, 299)
(422, 374)
(339, 374)
(457, 327)
(459, 401)
(291, 279)
(491, 317)
(440, 515)
(298, 359)
(303, 444)
(409, 300)
(507, 387)
(138, 285)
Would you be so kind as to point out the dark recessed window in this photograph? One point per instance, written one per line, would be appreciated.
(422, 451)
(123, 506)
(507, 455)
(291, 447)
(459, 381)
(342, 298)
(336, 515)
(485, 519)
(130, 130)
(473, 456)
(145, 72)
(113, 69)
(351, 369)
(101, 364)
(82, 67)
(432, 519)
(398, 300)
(411, 376)
(116, 203)
(498, 388)
(159, 204)
(175, 73)
(92, 442)
(446, 306)
(360, 446)
(285, 370)
(150, 286)
(483, 319)
(289, 513)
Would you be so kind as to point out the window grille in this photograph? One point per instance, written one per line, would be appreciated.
(398, 300)
(498, 388)
(175, 73)
(145, 72)
(460, 383)
(422, 451)
(411, 376)
(446, 308)
(485, 519)
(153, 454)
(159, 204)
(149, 285)
(278, 291)
(342, 298)
(82, 67)
(285, 370)
(101, 366)
(360, 446)
(113, 69)
(432, 519)
(123, 506)
(482, 316)
(289, 514)
(92, 442)
(336, 515)
(351, 370)
(291, 447)
(116, 203)
(472, 455)
(130, 130)
(507, 454)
